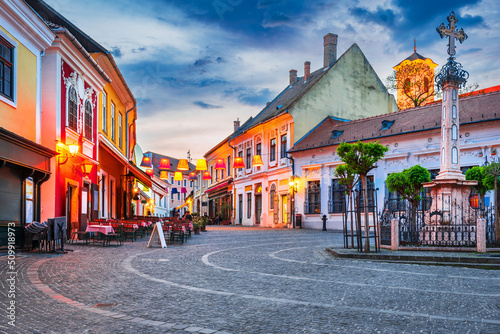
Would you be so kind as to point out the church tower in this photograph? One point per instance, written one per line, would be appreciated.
(415, 81)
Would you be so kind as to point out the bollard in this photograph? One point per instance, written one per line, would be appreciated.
(324, 223)
(394, 234)
(481, 235)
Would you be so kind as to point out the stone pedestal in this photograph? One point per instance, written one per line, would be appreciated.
(481, 235)
(394, 234)
(446, 195)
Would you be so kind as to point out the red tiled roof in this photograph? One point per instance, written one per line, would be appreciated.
(473, 109)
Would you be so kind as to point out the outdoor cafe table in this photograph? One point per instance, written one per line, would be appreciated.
(104, 229)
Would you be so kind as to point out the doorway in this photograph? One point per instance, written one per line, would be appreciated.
(72, 208)
(284, 208)
(240, 208)
(258, 208)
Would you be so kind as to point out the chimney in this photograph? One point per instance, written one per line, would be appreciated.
(293, 76)
(307, 70)
(236, 124)
(330, 44)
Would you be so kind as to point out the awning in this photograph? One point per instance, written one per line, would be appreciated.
(217, 187)
(139, 174)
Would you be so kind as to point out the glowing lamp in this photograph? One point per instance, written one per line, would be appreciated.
(163, 175)
(149, 171)
(474, 201)
(146, 162)
(192, 176)
(220, 164)
(73, 149)
(86, 169)
(206, 175)
(183, 165)
(164, 164)
(257, 161)
(201, 164)
(178, 176)
(238, 162)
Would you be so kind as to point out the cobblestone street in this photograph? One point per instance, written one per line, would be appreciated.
(244, 280)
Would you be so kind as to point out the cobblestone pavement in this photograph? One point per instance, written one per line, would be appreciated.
(243, 280)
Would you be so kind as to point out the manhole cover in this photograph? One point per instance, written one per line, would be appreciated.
(104, 305)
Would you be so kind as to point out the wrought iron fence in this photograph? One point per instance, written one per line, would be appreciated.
(436, 220)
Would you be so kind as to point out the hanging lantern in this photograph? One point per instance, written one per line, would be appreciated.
(86, 169)
(178, 176)
(146, 162)
(238, 162)
(257, 161)
(183, 190)
(206, 175)
(174, 191)
(220, 164)
(164, 164)
(192, 176)
(149, 171)
(163, 175)
(201, 164)
(183, 165)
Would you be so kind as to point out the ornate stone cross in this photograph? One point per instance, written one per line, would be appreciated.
(452, 33)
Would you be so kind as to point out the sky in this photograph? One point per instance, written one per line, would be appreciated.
(195, 66)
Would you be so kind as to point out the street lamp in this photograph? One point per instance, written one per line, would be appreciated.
(294, 184)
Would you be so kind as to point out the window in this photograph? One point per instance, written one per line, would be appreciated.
(272, 195)
(454, 132)
(272, 150)
(113, 121)
(337, 202)
(313, 201)
(337, 133)
(258, 149)
(249, 158)
(222, 174)
(454, 112)
(229, 166)
(72, 109)
(249, 205)
(386, 124)
(6, 69)
(444, 113)
(371, 190)
(88, 120)
(120, 129)
(104, 112)
(283, 147)
(171, 180)
(211, 174)
(454, 155)
(185, 183)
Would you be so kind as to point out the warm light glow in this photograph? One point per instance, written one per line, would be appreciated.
(73, 149)
(206, 175)
(220, 164)
(192, 176)
(163, 175)
(86, 169)
(164, 164)
(201, 164)
(149, 171)
(183, 165)
(178, 176)
(238, 162)
(257, 161)
(146, 162)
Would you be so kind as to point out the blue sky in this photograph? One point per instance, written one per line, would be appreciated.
(196, 66)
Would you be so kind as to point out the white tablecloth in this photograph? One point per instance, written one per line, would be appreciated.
(105, 229)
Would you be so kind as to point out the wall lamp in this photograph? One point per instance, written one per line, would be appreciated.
(71, 148)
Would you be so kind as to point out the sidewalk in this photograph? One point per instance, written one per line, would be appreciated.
(461, 259)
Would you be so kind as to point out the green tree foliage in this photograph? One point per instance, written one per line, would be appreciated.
(477, 173)
(408, 183)
(361, 158)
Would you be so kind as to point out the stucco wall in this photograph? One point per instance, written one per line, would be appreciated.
(351, 89)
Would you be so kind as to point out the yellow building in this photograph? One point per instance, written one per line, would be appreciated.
(415, 81)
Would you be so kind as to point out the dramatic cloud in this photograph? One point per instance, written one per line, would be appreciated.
(196, 66)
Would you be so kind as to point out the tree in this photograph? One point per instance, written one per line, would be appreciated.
(361, 158)
(492, 173)
(408, 184)
(477, 173)
(348, 179)
(414, 80)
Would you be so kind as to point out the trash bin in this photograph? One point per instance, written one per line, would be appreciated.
(298, 220)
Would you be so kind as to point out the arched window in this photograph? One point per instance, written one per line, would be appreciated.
(72, 109)
(454, 112)
(272, 195)
(444, 113)
(454, 94)
(454, 155)
(444, 133)
(454, 132)
(88, 120)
